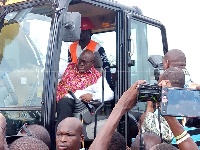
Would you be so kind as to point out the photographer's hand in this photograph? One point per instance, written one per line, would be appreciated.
(129, 98)
(198, 87)
(193, 86)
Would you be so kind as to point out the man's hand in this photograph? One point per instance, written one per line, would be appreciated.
(129, 98)
(198, 87)
(86, 97)
(193, 86)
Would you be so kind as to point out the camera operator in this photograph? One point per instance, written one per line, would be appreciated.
(149, 120)
(174, 77)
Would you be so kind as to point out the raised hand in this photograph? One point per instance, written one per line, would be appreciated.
(129, 98)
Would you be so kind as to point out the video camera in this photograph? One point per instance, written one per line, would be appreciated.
(147, 92)
(156, 62)
(175, 101)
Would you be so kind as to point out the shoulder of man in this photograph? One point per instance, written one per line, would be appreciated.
(70, 67)
(71, 64)
(95, 72)
(98, 46)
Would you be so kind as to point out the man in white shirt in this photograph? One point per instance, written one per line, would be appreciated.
(84, 81)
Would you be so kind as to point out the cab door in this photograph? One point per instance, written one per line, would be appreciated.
(143, 37)
(146, 37)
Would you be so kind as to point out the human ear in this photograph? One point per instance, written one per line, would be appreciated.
(167, 63)
(82, 138)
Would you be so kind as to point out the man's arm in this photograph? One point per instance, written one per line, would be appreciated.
(96, 92)
(125, 103)
(97, 88)
(106, 67)
(62, 65)
(177, 128)
(61, 83)
(69, 56)
(149, 109)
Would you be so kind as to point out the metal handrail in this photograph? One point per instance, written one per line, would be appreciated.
(23, 108)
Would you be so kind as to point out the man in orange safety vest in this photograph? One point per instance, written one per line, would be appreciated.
(84, 43)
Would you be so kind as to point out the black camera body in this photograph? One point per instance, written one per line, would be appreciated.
(147, 92)
(156, 62)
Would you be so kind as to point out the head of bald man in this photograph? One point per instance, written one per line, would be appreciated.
(174, 58)
(175, 75)
(149, 140)
(163, 146)
(69, 134)
(85, 61)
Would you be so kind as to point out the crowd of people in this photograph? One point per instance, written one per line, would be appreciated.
(155, 132)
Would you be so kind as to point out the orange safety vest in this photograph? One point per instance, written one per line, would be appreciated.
(73, 47)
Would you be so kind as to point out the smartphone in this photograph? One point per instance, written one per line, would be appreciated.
(180, 102)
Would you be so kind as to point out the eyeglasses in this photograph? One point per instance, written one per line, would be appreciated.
(84, 61)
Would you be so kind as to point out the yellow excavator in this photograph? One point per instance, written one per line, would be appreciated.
(34, 39)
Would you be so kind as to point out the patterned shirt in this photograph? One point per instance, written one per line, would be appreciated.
(73, 80)
(104, 58)
(151, 124)
(188, 79)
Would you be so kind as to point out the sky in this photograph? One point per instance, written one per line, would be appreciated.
(181, 19)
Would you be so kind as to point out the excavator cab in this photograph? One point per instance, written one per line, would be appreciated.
(34, 42)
